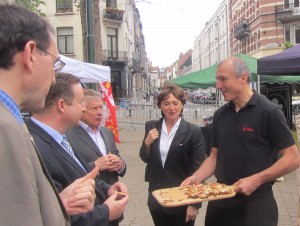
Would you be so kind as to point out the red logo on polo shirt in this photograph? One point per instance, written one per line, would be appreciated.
(247, 129)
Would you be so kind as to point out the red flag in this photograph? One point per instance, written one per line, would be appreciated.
(110, 116)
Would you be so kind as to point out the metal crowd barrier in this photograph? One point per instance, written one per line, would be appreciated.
(134, 112)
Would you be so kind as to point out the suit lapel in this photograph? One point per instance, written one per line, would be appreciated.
(50, 181)
(85, 137)
(107, 140)
(156, 144)
(62, 152)
(54, 145)
(47, 174)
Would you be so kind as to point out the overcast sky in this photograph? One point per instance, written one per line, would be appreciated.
(171, 26)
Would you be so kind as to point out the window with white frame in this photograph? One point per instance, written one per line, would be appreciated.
(216, 30)
(112, 42)
(221, 52)
(223, 27)
(224, 50)
(256, 40)
(65, 40)
(286, 4)
(111, 3)
(287, 34)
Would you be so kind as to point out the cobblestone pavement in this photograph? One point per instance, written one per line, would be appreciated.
(137, 214)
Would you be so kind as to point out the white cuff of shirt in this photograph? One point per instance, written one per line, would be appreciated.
(122, 167)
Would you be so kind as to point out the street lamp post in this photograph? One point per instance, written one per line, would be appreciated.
(90, 32)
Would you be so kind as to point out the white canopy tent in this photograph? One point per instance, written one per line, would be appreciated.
(87, 72)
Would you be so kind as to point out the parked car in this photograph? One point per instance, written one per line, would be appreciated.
(203, 98)
(210, 98)
(197, 97)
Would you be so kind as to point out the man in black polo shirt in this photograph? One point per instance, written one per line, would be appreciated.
(248, 133)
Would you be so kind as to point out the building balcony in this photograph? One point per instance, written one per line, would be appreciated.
(112, 16)
(140, 42)
(287, 12)
(242, 29)
(110, 56)
(137, 67)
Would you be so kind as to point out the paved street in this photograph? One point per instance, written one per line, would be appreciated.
(137, 213)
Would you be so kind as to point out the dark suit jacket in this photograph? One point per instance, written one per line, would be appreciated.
(86, 149)
(64, 170)
(185, 155)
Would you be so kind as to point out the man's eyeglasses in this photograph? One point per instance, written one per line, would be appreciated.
(58, 64)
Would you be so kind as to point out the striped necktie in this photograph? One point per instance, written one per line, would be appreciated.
(70, 151)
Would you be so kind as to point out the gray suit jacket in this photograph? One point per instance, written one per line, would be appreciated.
(87, 151)
(28, 196)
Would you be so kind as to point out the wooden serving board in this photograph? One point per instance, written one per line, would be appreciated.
(177, 196)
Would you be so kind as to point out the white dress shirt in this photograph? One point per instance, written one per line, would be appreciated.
(166, 139)
(96, 136)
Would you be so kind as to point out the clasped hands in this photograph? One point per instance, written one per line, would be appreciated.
(110, 162)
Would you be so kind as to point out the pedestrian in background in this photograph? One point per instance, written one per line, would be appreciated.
(95, 144)
(28, 60)
(173, 149)
(248, 133)
(63, 110)
(206, 131)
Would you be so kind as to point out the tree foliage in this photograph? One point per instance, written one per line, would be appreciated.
(32, 5)
(287, 45)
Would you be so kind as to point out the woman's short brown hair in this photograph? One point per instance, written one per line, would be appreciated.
(171, 88)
